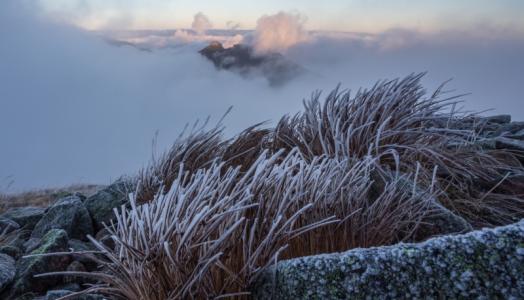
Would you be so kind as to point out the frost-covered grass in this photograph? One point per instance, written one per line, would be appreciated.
(354, 171)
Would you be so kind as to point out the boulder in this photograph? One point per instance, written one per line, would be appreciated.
(75, 266)
(26, 217)
(80, 246)
(486, 264)
(55, 294)
(101, 204)
(510, 128)
(104, 237)
(7, 270)
(10, 250)
(497, 119)
(68, 214)
(27, 296)
(31, 244)
(14, 244)
(441, 221)
(8, 225)
(73, 287)
(54, 241)
(509, 144)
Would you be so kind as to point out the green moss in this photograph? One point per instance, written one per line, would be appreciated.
(54, 238)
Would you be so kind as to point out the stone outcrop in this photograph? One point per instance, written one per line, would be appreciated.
(68, 214)
(25, 217)
(486, 264)
(55, 240)
(101, 204)
(7, 271)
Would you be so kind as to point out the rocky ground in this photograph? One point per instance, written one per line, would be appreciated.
(43, 197)
(28, 232)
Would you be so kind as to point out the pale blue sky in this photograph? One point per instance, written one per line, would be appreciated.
(344, 15)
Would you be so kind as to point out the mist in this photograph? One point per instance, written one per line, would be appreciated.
(76, 109)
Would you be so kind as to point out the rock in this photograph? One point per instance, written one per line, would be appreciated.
(12, 251)
(13, 245)
(79, 246)
(54, 241)
(16, 240)
(7, 270)
(68, 214)
(31, 244)
(104, 237)
(486, 143)
(73, 287)
(242, 59)
(519, 135)
(486, 264)
(101, 204)
(75, 266)
(53, 295)
(8, 225)
(26, 217)
(510, 128)
(509, 144)
(441, 222)
(498, 119)
(27, 296)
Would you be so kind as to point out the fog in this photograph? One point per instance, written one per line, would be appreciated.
(77, 109)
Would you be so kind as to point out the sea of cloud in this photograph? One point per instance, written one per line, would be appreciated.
(77, 109)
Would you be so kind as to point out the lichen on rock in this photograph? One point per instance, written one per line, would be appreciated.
(482, 264)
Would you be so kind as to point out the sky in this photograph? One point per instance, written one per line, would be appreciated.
(75, 108)
(338, 15)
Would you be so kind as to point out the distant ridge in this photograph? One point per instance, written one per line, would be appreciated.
(243, 60)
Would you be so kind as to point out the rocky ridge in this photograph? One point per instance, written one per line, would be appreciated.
(243, 60)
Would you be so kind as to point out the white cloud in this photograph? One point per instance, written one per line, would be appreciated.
(277, 33)
(201, 23)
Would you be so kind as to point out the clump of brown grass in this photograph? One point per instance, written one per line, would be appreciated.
(216, 229)
(393, 122)
(211, 214)
(196, 150)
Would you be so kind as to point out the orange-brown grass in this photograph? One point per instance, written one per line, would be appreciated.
(43, 197)
(216, 229)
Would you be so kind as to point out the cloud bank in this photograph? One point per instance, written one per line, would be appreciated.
(75, 109)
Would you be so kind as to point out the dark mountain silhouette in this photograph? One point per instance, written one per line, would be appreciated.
(243, 60)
